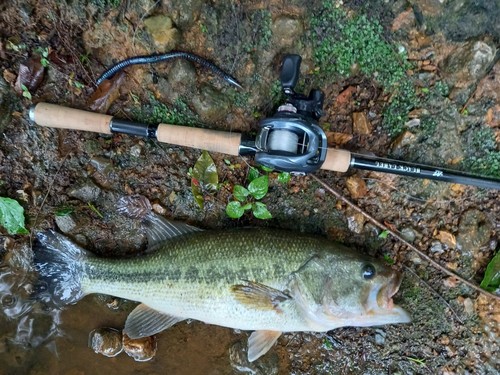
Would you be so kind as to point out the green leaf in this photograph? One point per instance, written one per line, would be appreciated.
(260, 211)
(64, 211)
(284, 177)
(204, 177)
(383, 235)
(12, 216)
(234, 210)
(240, 193)
(388, 259)
(247, 206)
(266, 169)
(491, 280)
(253, 173)
(258, 187)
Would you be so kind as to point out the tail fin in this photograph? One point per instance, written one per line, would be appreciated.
(60, 267)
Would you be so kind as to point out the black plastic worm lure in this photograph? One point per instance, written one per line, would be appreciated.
(151, 59)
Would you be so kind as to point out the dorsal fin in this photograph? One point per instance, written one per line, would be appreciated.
(159, 229)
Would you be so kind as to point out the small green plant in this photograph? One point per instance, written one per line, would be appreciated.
(12, 216)
(491, 280)
(26, 92)
(156, 112)
(388, 259)
(44, 56)
(95, 210)
(345, 43)
(204, 178)
(64, 211)
(248, 199)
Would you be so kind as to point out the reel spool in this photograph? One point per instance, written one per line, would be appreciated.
(292, 140)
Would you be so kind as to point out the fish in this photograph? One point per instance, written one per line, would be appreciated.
(263, 280)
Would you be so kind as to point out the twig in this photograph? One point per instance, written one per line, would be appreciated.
(397, 235)
(45, 198)
(439, 296)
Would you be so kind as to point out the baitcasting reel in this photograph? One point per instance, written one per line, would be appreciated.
(292, 140)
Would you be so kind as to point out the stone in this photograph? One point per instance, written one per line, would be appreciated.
(161, 28)
(466, 66)
(437, 247)
(106, 341)
(406, 138)
(361, 124)
(447, 239)
(356, 186)
(65, 223)
(87, 192)
(141, 350)
(408, 234)
(380, 335)
(210, 104)
(355, 222)
(474, 231)
(286, 30)
(182, 76)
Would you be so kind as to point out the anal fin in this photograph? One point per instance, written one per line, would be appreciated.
(260, 342)
(144, 321)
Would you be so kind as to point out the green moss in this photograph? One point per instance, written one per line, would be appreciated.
(345, 44)
(156, 112)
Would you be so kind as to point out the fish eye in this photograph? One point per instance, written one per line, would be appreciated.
(368, 271)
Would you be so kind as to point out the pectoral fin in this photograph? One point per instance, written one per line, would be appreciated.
(259, 296)
(143, 321)
(260, 342)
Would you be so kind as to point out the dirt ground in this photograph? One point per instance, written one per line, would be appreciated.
(70, 181)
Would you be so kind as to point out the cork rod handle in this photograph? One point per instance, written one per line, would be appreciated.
(55, 116)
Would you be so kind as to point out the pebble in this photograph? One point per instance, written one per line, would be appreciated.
(408, 234)
(88, 192)
(141, 350)
(361, 124)
(65, 223)
(356, 186)
(380, 337)
(356, 222)
(437, 247)
(106, 341)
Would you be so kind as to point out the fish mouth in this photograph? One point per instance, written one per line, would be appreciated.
(384, 304)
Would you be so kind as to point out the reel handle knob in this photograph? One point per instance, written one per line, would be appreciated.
(290, 71)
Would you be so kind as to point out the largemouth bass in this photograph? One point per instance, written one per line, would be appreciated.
(267, 281)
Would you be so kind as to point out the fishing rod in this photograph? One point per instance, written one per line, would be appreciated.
(290, 141)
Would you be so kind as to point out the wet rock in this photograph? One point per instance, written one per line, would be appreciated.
(355, 222)
(405, 139)
(182, 76)
(361, 125)
(408, 234)
(447, 239)
(380, 337)
(106, 341)
(413, 123)
(161, 28)
(437, 247)
(87, 192)
(65, 223)
(141, 350)
(493, 116)
(474, 231)
(185, 12)
(266, 365)
(286, 30)
(210, 104)
(466, 66)
(356, 186)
